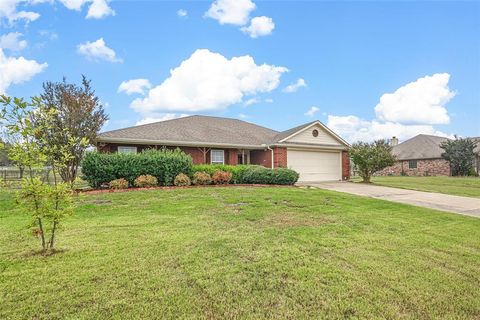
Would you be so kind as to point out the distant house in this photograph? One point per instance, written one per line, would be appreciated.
(312, 149)
(422, 156)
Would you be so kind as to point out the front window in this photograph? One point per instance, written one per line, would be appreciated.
(122, 149)
(217, 157)
(412, 164)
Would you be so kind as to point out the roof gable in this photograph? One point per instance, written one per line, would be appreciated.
(304, 135)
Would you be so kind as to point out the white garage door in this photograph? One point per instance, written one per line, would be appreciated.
(315, 165)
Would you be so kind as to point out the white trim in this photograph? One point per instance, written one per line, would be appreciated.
(217, 150)
(127, 149)
(336, 136)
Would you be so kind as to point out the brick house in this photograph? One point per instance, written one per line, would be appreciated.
(422, 156)
(312, 149)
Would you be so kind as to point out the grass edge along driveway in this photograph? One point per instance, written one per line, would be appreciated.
(458, 186)
(242, 253)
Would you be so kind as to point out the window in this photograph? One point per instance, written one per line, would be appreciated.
(412, 164)
(127, 149)
(217, 157)
(315, 133)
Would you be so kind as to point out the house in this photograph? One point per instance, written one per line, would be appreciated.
(422, 156)
(312, 149)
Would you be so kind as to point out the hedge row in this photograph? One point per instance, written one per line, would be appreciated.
(252, 174)
(101, 168)
(165, 165)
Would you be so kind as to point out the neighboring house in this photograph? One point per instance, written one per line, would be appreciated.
(312, 149)
(422, 156)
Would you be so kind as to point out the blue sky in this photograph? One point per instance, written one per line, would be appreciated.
(367, 69)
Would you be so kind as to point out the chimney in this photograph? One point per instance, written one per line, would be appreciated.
(394, 141)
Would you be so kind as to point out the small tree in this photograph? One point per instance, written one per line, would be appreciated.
(75, 116)
(46, 204)
(460, 154)
(371, 157)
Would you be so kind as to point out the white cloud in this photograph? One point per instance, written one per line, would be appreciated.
(160, 117)
(419, 102)
(411, 110)
(97, 50)
(293, 87)
(135, 86)
(51, 35)
(74, 4)
(182, 13)
(209, 81)
(251, 101)
(8, 10)
(12, 41)
(355, 129)
(259, 26)
(17, 70)
(269, 100)
(242, 116)
(311, 112)
(99, 9)
(235, 12)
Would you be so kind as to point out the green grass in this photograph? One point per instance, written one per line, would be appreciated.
(459, 186)
(242, 253)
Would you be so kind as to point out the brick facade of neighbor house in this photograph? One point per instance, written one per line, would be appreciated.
(345, 165)
(425, 167)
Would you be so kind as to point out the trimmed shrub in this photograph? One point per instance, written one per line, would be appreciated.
(221, 177)
(145, 181)
(212, 168)
(165, 165)
(262, 175)
(118, 184)
(201, 178)
(182, 180)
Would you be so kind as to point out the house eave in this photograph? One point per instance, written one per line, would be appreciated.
(177, 143)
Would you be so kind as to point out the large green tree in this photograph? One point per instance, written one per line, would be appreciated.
(76, 119)
(459, 153)
(371, 157)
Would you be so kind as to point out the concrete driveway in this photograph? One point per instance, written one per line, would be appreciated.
(462, 205)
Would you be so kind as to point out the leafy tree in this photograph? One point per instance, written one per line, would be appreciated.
(76, 119)
(460, 154)
(371, 157)
(46, 204)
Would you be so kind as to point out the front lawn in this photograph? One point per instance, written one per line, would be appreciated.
(459, 186)
(242, 253)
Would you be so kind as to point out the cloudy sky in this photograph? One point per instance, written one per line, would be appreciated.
(367, 69)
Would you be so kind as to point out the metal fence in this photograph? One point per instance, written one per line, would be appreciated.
(17, 174)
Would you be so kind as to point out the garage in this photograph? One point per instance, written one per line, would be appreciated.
(313, 165)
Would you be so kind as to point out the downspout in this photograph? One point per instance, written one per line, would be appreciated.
(271, 150)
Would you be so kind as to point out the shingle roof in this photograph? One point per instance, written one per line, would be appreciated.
(204, 129)
(419, 147)
(284, 134)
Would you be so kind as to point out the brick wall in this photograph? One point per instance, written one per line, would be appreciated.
(345, 165)
(428, 167)
(279, 157)
(261, 158)
(196, 153)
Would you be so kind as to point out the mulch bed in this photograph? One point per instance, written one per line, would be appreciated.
(100, 191)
